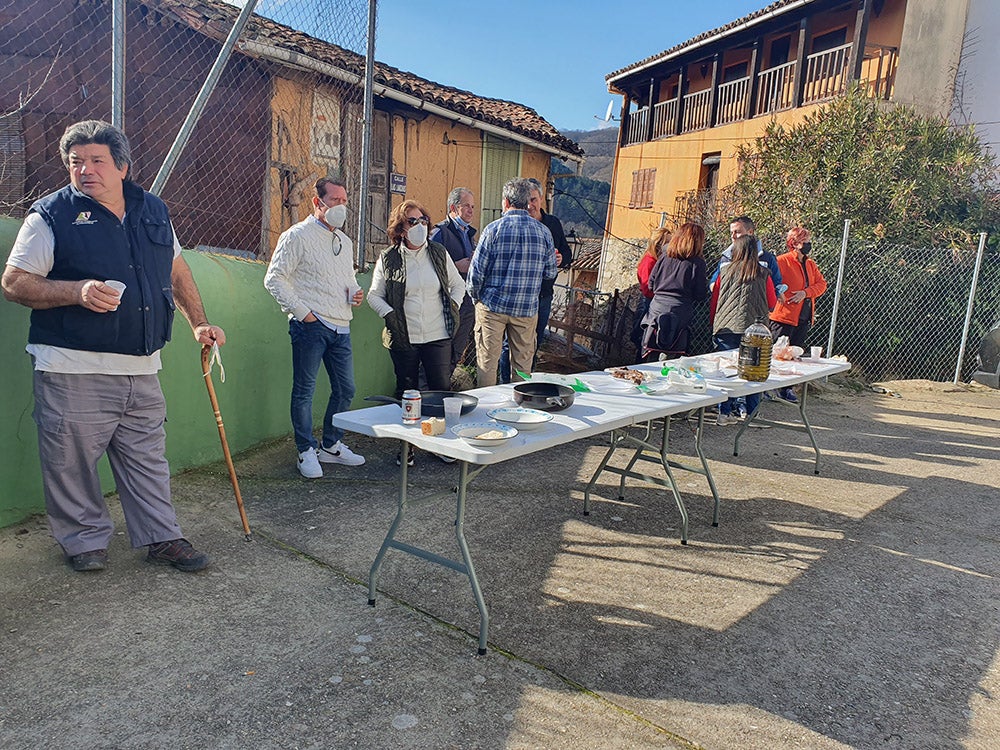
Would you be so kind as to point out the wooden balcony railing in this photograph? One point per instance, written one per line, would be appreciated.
(732, 99)
(775, 89)
(697, 111)
(638, 124)
(878, 70)
(826, 74)
(665, 118)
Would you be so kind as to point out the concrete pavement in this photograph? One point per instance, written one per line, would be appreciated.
(857, 608)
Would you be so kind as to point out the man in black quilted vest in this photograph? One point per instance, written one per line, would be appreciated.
(101, 269)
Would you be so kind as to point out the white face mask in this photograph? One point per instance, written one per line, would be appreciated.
(336, 216)
(417, 235)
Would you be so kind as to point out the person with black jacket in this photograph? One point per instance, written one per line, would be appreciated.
(458, 236)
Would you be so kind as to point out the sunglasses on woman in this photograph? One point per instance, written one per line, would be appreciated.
(414, 220)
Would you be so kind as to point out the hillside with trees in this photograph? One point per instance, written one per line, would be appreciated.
(581, 201)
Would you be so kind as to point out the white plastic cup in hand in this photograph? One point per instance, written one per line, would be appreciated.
(351, 291)
(118, 286)
(815, 352)
(452, 410)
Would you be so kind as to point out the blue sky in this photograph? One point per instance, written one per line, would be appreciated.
(551, 55)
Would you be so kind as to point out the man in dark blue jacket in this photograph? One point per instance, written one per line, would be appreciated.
(100, 267)
(458, 236)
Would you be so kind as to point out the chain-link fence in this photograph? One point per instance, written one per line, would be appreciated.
(273, 124)
(901, 309)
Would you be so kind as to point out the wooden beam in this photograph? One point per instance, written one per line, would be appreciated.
(681, 85)
(713, 100)
(649, 113)
(861, 22)
(755, 59)
(805, 29)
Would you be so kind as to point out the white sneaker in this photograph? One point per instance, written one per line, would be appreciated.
(309, 464)
(338, 453)
(724, 419)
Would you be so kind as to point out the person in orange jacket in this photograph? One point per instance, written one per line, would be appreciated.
(794, 316)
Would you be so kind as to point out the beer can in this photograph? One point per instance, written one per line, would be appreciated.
(411, 406)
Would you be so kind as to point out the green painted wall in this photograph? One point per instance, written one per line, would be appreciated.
(253, 400)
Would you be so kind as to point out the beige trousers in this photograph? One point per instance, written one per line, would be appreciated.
(489, 332)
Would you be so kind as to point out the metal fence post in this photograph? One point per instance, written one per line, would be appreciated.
(840, 283)
(118, 64)
(968, 309)
(180, 143)
(368, 114)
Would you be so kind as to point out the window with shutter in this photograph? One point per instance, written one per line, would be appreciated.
(643, 182)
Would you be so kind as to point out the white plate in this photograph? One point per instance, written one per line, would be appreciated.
(525, 419)
(470, 433)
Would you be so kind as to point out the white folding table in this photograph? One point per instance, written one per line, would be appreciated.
(612, 410)
(783, 375)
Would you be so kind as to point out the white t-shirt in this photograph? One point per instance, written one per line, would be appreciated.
(34, 252)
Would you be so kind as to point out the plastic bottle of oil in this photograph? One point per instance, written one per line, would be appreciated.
(755, 353)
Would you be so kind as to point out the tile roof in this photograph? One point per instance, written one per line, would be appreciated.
(214, 18)
(588, 256)
(757, 15)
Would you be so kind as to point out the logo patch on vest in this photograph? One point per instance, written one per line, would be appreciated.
(83, 218)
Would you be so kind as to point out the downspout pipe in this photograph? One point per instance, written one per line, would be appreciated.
(304, 62)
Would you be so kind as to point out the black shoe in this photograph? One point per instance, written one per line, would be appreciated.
(409, 457)
(178, 553)
(94, 559)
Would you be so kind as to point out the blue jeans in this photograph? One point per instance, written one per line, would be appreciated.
(724, 342)
(313, 343)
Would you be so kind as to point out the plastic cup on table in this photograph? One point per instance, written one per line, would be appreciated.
(815, 352)
(452, 410)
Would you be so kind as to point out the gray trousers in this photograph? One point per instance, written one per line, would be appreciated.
(81, 417)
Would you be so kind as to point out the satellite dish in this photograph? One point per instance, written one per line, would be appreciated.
(607, 115)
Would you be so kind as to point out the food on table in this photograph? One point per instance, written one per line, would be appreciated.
(624, 373)
(432, 426)
(492, 435)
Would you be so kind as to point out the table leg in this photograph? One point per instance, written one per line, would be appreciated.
(600, 468)
(806, 427)
(805, 420)
(704, 466)
(391, 534)
(484, 615)
(645, 451)
(464, 567)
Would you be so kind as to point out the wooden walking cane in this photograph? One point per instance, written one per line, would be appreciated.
(206, 369)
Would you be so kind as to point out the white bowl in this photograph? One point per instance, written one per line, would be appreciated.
(471, 433)
(525, 419)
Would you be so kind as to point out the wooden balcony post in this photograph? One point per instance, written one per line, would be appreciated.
(805, 29)
(649, 112)
(755, 57)
(623, 130)
(681, 85)
(713, 102)
(860, 37)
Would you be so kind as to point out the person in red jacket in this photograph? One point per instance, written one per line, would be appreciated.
(796, 314)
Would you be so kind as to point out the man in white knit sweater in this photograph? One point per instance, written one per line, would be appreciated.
(311, 275)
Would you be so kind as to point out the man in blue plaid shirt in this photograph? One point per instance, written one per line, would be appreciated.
(514, 254)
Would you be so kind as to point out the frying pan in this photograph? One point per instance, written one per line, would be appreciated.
(432, 402)
(547, 396)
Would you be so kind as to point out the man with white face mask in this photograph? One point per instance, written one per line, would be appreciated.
(311, 276)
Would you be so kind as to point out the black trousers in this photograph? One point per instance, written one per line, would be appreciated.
(435, 356)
